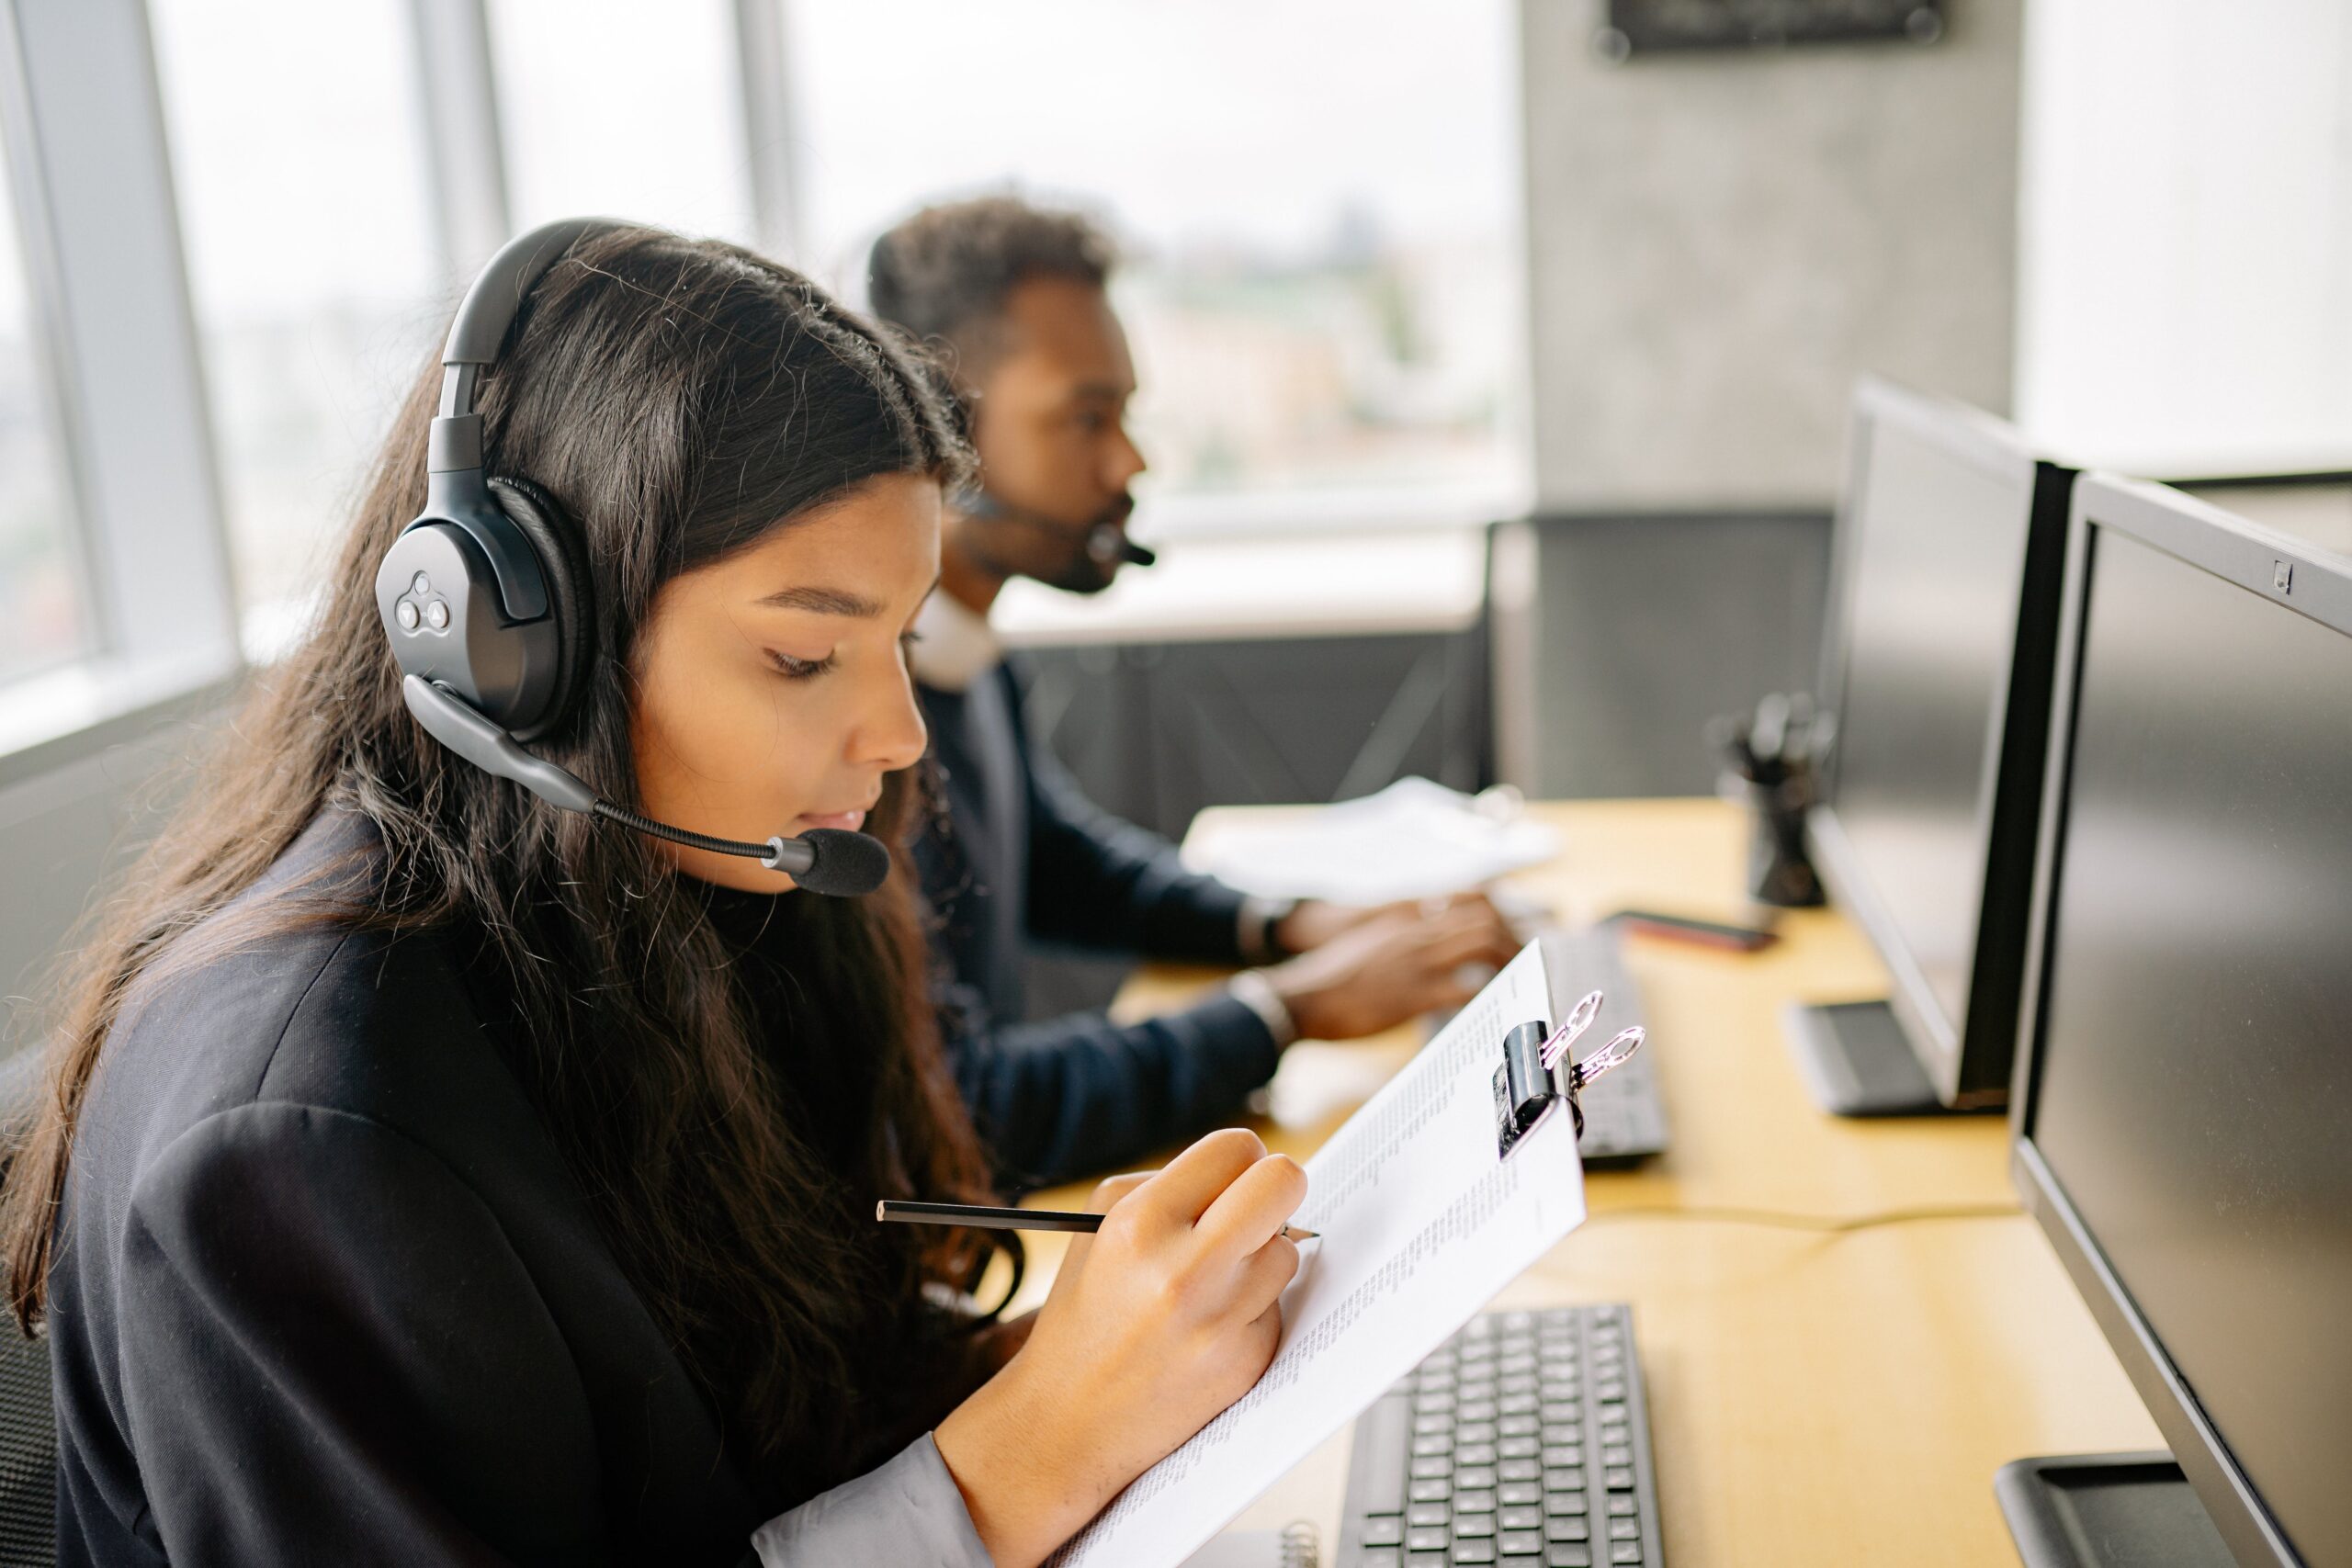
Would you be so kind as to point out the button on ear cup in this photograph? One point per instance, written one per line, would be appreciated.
(562, 553)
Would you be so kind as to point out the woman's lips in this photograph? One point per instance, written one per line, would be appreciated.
(846, 821)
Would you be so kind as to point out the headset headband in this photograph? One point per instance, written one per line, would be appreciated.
(483, 317)
(455, 490)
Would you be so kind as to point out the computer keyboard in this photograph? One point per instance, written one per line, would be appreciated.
(1625, 1116)
(1522, 1440)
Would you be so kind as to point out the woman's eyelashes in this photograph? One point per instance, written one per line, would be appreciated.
(810, 668)
(802, 669)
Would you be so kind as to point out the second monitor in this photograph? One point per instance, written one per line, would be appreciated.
(1943, 618)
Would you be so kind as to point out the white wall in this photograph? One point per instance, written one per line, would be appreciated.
(2184, 274)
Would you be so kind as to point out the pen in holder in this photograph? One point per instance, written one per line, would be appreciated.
(1537, 1075)
(1773, 764)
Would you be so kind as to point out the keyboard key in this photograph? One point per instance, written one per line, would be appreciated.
(1383, 1529)
(1426, 1539)
(1523, 1518)
(1619, 1552)
(1624, 1529)
(1520, 1470)
(1563, 1454)
(1618, 1479)
(1623, 1506)
(1557, 1388)
(1517, 1427)
(1517, 1382)
(1559, 1503)
(1616, 1453)
(1424, 1514)
(1425, 1560)
(1478, 1410)
(1434, 1402)
(1557, 1529)
(1518, 1493)
(1472, 1479)
(1564, 1431)
(1382, 1557)
(1427, 1465)
(1471, 1527)
(1473, 1551)
(1474, 1432)
(1434, 1443)
(1432, 1489)
(1434, 1421)
(1519, 1543)
(1468, 1502)
(1560, 1554)
(1563, 1410)
(1520, 1404)
(1475, 1386)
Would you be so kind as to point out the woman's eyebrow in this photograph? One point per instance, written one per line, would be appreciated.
(824, 602)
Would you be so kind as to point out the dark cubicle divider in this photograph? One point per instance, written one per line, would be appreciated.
(1158, 731)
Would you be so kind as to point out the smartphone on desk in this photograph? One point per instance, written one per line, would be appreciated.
(1704, 933)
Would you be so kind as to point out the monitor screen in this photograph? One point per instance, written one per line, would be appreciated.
(1930, 592)
(2192, 1093)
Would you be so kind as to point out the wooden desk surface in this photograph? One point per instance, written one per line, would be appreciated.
(1813, 1399)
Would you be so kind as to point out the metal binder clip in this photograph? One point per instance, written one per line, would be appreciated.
(1537, 1074)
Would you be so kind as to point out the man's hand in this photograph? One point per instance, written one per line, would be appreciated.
(1392, 965)
(1314, 923)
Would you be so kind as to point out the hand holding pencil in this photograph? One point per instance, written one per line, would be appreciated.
(1158, 1320)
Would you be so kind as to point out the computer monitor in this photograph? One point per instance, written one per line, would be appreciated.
(1936, 665)
(2315, 507)
(2183, 1116)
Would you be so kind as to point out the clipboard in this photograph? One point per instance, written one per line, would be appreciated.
(1538, 1073)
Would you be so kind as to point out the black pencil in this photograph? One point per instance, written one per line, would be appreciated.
(980, 1217)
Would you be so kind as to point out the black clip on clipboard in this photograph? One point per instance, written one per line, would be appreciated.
(1537, 1077)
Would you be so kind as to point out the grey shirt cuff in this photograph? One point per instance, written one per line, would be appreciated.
(907, 1512)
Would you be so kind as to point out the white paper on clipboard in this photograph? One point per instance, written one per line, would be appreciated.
(1422, 1223)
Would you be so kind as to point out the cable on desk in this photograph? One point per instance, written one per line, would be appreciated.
(1819, 1224)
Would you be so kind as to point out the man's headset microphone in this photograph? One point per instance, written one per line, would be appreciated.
(486, 599)
(1104, 540)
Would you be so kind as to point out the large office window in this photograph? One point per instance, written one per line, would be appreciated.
(1318, 198)
(299, 153)
(42, 621)
(618, 107)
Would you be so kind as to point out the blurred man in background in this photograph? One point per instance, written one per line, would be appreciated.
(1014, 301)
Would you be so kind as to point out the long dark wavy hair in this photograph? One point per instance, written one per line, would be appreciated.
(680, 398)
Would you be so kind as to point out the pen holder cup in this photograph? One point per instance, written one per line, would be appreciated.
(1780, 872)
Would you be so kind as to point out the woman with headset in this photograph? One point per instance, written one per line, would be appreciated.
(435, 1173)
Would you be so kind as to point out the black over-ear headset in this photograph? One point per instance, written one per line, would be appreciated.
(488, 601)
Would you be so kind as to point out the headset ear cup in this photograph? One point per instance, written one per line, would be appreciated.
(563, 558)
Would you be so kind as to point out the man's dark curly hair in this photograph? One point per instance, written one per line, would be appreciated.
(944, 274)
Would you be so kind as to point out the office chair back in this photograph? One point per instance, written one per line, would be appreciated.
(27, 1416)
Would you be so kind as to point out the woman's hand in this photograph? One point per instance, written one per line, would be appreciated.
(1155, 1323)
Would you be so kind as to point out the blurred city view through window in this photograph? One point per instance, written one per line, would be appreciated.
(42, 621)
(625, 108)
(1322, 275)
(1323, 247)
(298, 149)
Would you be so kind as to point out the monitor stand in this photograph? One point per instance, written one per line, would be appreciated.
(2107, 1511)
(1855, 1061)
